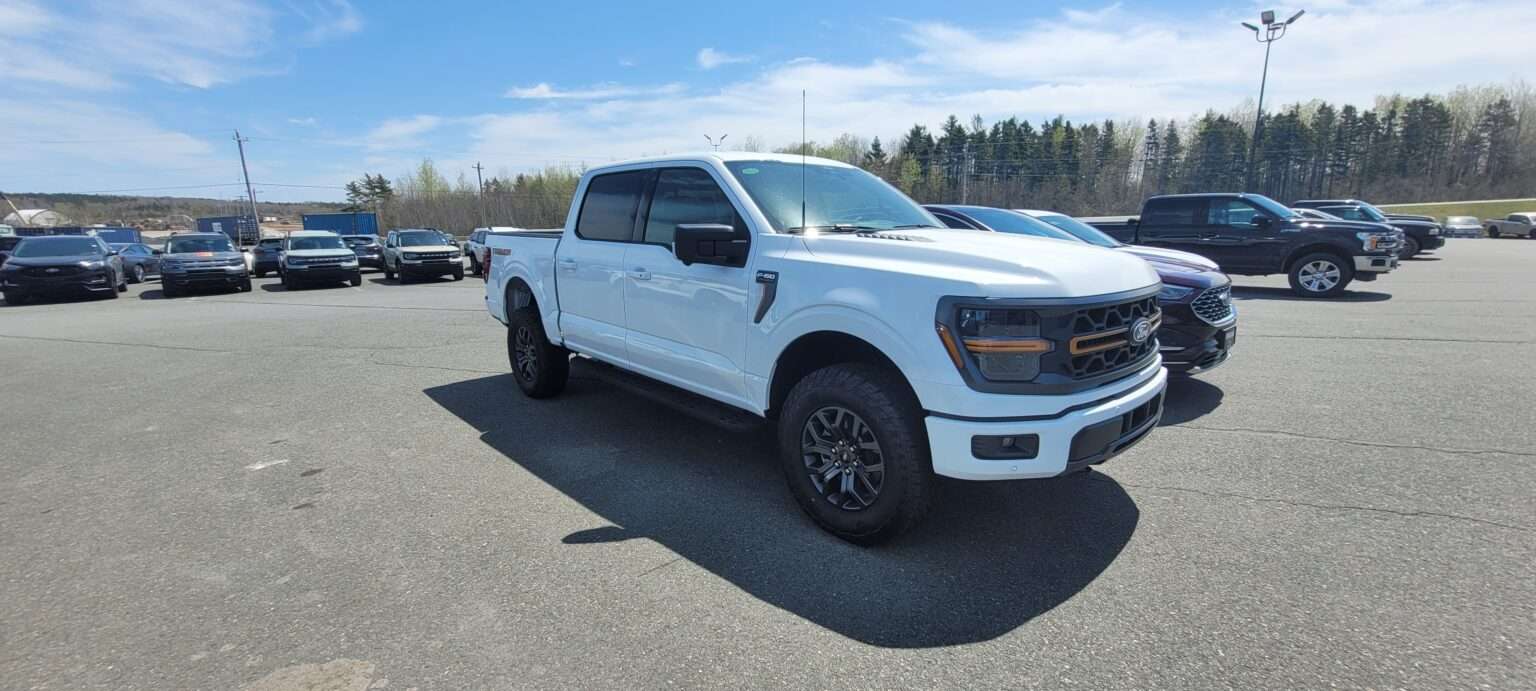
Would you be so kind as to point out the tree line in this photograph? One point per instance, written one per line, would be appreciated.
(1471, 143)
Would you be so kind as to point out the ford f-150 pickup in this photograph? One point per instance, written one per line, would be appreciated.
(1251, 234)
(1515, 225)
(809, 292)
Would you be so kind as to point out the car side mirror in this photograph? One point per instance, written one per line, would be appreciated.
(158, 252)
(111, 253)
(1262, 222)
(710, 243)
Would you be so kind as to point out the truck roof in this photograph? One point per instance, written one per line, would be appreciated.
(1204, 195)
(725, 157)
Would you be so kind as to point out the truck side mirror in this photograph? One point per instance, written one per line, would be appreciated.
(710, 243)
(1261, 221)
(158, 252)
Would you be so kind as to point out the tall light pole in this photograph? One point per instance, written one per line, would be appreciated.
(716, 142)
(1270, 32)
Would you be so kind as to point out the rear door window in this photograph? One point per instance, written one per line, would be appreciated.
(1174, 212)
(1233, 213)
(608, 210)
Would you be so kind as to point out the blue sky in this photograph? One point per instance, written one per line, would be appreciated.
(145, 94)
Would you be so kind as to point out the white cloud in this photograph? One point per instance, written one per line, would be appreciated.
(330, 19)
(709, 58)
(402, 133)
(75, 145)
(303, 122)
(543, 91)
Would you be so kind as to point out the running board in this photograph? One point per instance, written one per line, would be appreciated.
(686, 402)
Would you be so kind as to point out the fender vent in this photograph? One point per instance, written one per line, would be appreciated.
(895, 236)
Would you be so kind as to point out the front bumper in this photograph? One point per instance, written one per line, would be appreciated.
(322, 273)
(372, 261)
(1190, 345)
(85, 282)
(1070, 440)
(226, 276)
(431, 267)
(1375, 263)
(1432, 242)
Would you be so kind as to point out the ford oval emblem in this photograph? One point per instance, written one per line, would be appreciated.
(1141, 330)
(52, 270)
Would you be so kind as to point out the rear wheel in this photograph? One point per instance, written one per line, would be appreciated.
(1320, 275)
(855, 453)
(541, 368)
(137, 276)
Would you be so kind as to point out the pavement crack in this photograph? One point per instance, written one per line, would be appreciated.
(1358, 442)
(85, 341)
(434, 367)
(350, 307)
(1321, 507)
(659, 567)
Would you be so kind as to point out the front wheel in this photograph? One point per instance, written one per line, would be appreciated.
(137, 276)
(1493, 232)
(474, 265)
(855, 453)
(356, 280)
(1411, 247)
(245, 285)
(541, 368)
(389, 274)
(1320, 275)
(458, 274)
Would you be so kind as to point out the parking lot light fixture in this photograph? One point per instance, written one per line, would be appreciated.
(1270, 32)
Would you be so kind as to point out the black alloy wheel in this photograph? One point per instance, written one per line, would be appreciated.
(842, 458)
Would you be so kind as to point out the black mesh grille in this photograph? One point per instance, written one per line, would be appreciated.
(51, 270)
(1214, 305)
(1097, 320)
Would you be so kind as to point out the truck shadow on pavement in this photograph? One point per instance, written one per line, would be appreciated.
(1189, 399)
(1262, 293)
(990, 557)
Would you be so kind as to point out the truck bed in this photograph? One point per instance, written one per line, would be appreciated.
(528, 253)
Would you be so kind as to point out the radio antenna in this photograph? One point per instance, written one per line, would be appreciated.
(802, 160)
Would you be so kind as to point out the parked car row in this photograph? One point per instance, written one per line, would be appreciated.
(44, 266)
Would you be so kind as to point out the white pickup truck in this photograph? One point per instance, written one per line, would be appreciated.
(810, 292)
(1521, 225)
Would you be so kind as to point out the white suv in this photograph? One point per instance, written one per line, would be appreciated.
(414, 252)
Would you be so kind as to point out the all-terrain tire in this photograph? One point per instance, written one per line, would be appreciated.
(541, 368)
(894, 436)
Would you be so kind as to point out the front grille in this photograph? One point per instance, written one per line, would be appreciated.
(326, 262)
(51, 271)
(1100, 337)
(1214, 306)
(433, 256)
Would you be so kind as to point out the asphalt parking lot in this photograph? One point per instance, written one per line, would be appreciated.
(274, 489)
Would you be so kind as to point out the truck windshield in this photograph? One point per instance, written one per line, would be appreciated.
(1279, 210)
(417, 238)
(834, 197)
(207, 243)
(1079, 230)
(58, 247)
(315, 242)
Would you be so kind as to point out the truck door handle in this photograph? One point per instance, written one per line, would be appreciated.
(640, 274)
(568, 264)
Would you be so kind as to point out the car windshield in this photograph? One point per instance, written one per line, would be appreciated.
(417, 238)
(360, 239)
(1463, 221)
(118, 235)
(58, 247)
(270, 242)
(315, 242)
(204, 243)
(1004, 221)
(1079, 230)
(832, 198)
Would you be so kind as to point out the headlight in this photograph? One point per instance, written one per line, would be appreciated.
(294, 261)
(1435, 230)
(1170, 293)
(93, 264)
(237, 261)
(1005, 343)
(409, 255)
(1373, 241)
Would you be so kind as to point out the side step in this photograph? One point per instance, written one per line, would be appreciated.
(686, 402)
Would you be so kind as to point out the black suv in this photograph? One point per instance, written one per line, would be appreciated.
(1253, 235)
(1422, 235)
(59, 264)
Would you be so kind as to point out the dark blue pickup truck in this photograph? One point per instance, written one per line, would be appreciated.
(1253, 235)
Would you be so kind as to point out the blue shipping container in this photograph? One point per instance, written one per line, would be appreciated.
(119, 235)
(345, 223)
(242, 230)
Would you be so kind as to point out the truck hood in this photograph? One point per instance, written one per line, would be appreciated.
(318, 254)
(1343, 226)
(993, 264)
(53, 261)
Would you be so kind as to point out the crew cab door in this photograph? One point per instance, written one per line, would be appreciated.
(687, 323)
(1242, 237)
(1173, 222)
(589, 265)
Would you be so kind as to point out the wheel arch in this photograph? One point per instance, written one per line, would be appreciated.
(818, 349)
(1304, 250)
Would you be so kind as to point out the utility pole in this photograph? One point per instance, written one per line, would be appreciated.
(249, 193)
(1271, 32)
(480, 193)
(716, 142)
